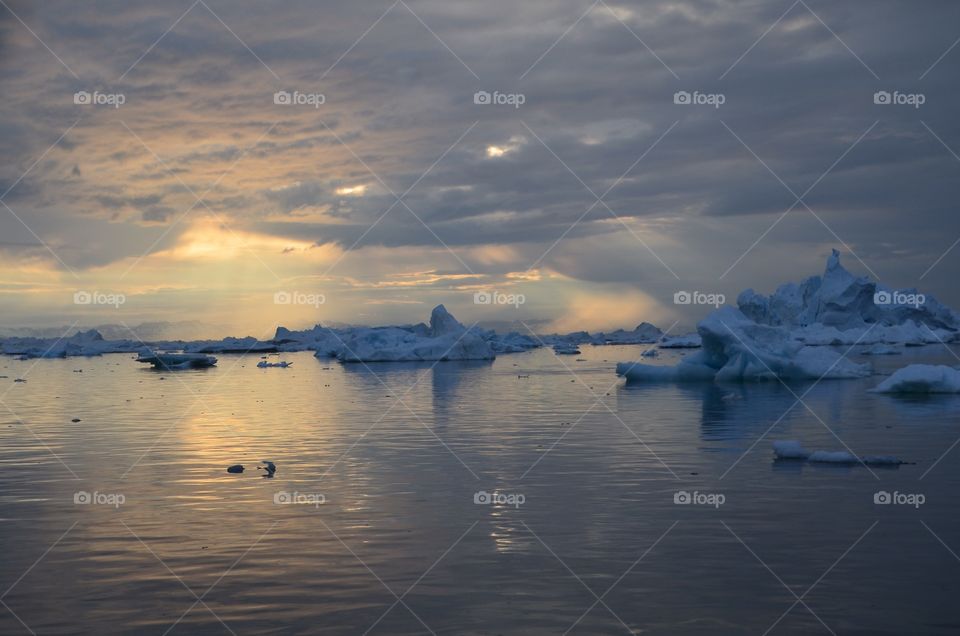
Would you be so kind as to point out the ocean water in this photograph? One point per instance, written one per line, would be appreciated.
(379, 518)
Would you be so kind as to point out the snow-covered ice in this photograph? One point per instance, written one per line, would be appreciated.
(787, 335)
(921, 378)
(444, 339)
(736, 348)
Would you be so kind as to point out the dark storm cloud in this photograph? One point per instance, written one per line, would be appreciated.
(594, 104)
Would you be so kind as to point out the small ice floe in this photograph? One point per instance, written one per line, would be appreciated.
(650, 353)
(268, 466)
(566, 349)
(19, 380)
(177, 361)
(921, 378)
(263, 364)
(792, 449)
(236, 468)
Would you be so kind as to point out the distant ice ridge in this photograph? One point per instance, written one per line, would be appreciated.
(83, 343)
(783, 335)
(921, 378)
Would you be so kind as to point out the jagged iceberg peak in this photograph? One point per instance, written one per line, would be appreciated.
(442, 322)
(841, 300)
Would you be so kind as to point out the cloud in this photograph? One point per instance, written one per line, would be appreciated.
(399, 163)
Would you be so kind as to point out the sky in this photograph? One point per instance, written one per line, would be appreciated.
(238, 165)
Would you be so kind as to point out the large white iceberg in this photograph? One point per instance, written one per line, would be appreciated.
(444, 339)
(787, 334)
(921, 378)
(735, 348)
(844, 306)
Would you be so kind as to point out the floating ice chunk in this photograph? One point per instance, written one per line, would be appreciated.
(263, 364)
(650, 353)
(789, 449)
(685, 371)
(564, 349)
(833, 457)
(177, 361)
(921, 378)
(792, 449)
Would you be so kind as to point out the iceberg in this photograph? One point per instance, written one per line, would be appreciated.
(921, 378)
(735, 348)
(566, 349)
(176, 361)
(444, 339)
(849, 304)
(787, 335)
